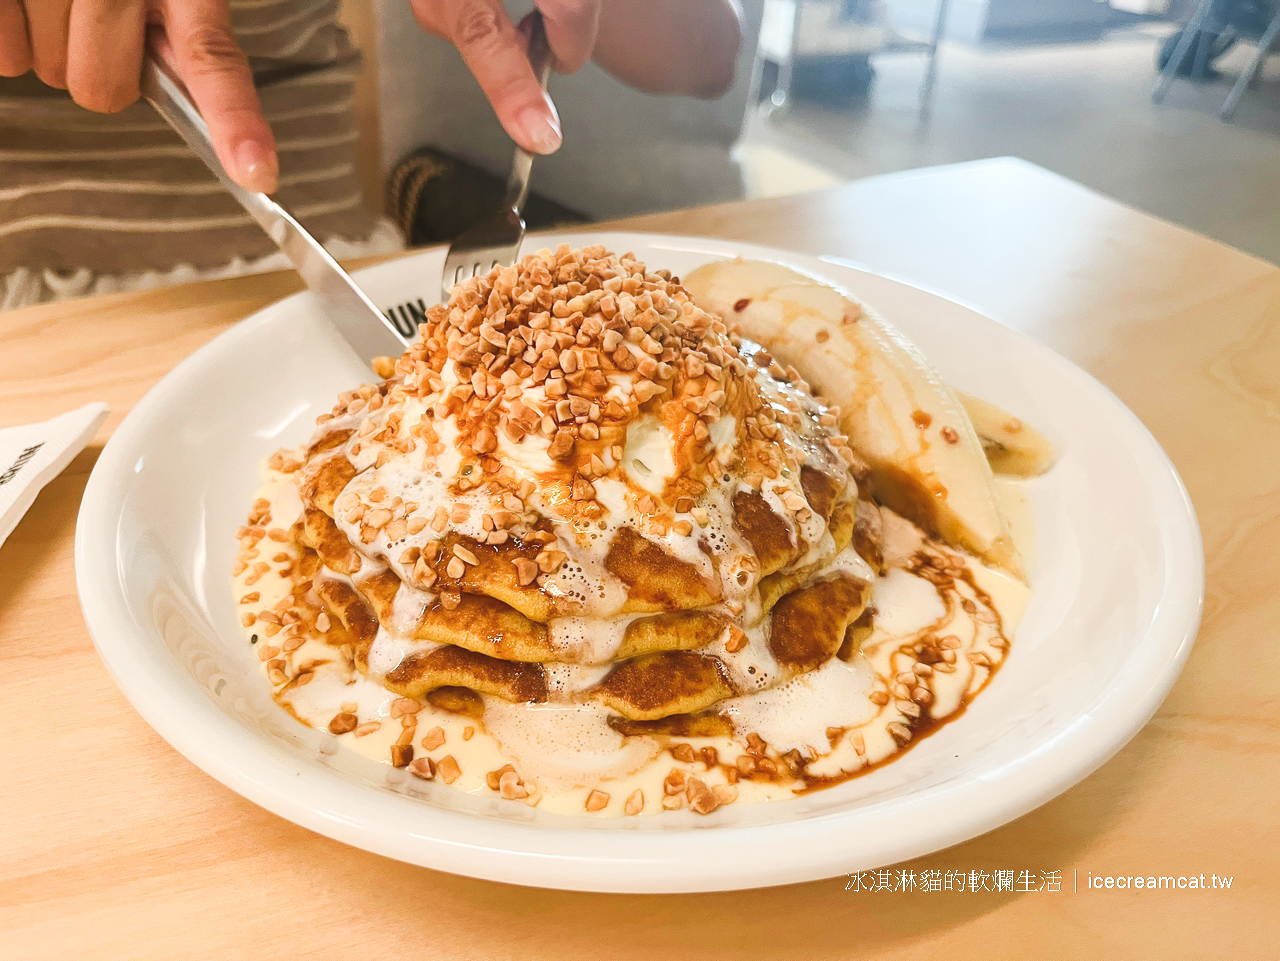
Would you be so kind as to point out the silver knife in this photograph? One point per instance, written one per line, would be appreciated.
(360, 322)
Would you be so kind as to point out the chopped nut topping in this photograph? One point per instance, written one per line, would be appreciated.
(568, 346)
(401, 755)
(526, 571)
(343, 723)
(702, 800)
(674, 781)
(549, 561)
(493, 777)
(597, 801)
(725, 793)
(424, 768)
(900, 731)
(404, 705)
(511, 788)
(377, 518)
(683, 752)
(448, 769)
(433, 739)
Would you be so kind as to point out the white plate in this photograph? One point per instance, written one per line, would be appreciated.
(1118, 585)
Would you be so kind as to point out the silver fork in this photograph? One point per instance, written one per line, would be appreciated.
(495, 241)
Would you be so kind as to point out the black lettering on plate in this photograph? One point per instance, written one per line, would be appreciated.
(407, 316)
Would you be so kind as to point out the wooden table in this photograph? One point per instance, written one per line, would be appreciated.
(114, 846)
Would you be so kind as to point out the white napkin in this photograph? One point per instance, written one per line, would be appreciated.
(31, 455)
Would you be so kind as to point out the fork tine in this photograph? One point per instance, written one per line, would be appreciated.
(495, 241)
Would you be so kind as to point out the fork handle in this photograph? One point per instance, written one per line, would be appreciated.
(521, 166)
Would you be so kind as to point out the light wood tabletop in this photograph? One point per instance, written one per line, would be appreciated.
(114, 846)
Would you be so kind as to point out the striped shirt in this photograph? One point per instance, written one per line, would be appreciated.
(93, 203)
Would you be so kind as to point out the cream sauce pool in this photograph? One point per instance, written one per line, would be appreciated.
(936, 639)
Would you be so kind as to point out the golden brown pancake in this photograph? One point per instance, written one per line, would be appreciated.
(809, 624)
(855, 634)
(867, 533)
(678, 631)
(328, 441)
(421, 673)
(487, 626)
(352, 612)
(457, 700)
(480, 624)
(495, 576)
(322, 484)
(658, 685)
(655, 580)
(321, 534)
(706, 724)
(775, 586)
(769, 535)
(821, 489)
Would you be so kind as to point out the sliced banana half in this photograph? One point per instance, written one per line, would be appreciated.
(927, 461)
(1012, 447)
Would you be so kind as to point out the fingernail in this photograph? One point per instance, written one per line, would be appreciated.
(258, 168)
(541, 128)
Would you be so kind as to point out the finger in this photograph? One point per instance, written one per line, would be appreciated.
(47, 29)
(216, 73)
(15, 49)
(571, 30)
(495, 53)
(104, 53)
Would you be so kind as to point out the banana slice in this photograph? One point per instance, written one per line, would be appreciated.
(1012, 447)
(926, 459)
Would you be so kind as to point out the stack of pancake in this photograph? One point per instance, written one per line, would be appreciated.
(577, 486)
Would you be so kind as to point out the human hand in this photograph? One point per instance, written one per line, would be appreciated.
(494, 49)
(94, 50)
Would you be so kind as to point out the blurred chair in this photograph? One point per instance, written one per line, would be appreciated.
(792, 29)
(1199, 33)
(1250, 74)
